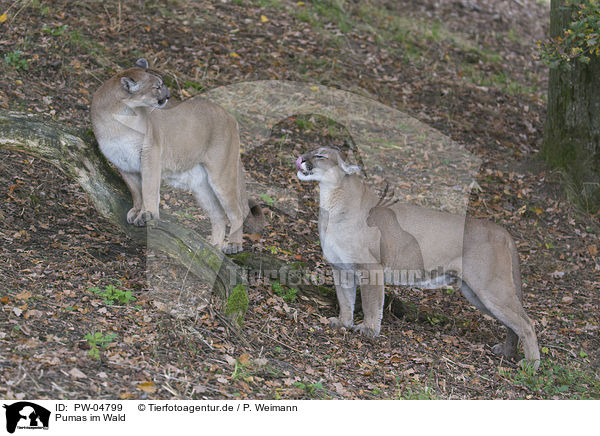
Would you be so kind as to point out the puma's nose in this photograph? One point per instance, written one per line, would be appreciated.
(299, 162)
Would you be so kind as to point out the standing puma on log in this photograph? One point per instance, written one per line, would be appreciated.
(193, 145)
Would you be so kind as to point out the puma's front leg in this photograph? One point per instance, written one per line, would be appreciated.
(345, 289)
(372, 293)
(151, 175)
(134, 183)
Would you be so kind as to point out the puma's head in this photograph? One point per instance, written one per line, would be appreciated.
(142, 87)
(324, 164)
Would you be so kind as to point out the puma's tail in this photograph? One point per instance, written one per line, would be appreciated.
(255, 221)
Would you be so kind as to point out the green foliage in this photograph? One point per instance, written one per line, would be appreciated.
(15, 59)
(556, 379)
(269, 201)
(98, 340)
(579, 41)
(313, 389)
(288, 294)
(415, 390)
(304, 123)
(240, 371)
(113, 295)
(54, 31)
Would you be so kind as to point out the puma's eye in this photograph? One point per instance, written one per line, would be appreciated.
(319, 156)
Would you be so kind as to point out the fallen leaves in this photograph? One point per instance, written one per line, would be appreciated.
(148, 387)
(77, 373)
(55, 245)
(24, 295)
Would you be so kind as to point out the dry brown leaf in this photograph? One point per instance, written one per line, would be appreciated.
(77, 373)
(147, 387)
(25, 295)
(244, 359)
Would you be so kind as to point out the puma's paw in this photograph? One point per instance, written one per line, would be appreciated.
(143, 217)
(501, 350)
(232, 248)
(336, 323)
(366, 330)
(132, 214)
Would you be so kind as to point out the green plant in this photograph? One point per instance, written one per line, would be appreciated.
(54, 31)
(269, 201)
(304, 123)
(416, 390)
(312, 389)
(579, 41)
(98, 340)
(112, 295)
(16, 60)
(288, 294)
(240, 370)
(556, 380)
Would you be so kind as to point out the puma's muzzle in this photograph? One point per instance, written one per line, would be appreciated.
(304, 166)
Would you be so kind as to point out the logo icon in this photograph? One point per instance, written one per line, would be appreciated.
(26, 415)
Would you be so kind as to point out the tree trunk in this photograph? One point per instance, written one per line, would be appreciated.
(572, 131)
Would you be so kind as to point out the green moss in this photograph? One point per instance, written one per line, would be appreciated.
(237, 304)
(240, 258)
(212, 260)
(297, 266)
(193, 85)
(325, 290)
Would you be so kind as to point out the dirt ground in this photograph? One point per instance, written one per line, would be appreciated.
(82, 307)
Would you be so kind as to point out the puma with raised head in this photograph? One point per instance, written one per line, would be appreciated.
(193, 145)
(369, 241)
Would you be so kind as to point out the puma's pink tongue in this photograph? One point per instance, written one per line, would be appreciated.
(299, 162)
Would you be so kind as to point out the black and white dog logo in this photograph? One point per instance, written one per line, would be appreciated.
(26, 415)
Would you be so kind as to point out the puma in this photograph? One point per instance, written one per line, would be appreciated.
(192, 145)
(370, 240)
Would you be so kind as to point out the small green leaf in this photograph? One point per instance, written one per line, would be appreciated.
(267, 199)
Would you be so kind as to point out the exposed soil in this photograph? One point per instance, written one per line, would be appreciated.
(468, 71)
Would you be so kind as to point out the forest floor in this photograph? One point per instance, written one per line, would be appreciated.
(80, 315)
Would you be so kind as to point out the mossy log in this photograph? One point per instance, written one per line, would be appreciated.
(76, 154)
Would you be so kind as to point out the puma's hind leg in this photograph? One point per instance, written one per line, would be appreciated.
(209, 202)
(501, 302)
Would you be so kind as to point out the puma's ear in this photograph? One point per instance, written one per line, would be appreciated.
(348, 168)
(142, 63)
(129, 84)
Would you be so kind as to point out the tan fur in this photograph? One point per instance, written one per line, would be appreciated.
(366, 242)
(192, 145)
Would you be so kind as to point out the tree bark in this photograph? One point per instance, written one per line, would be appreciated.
(572, 131)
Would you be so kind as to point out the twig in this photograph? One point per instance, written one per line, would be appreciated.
(279, 342)
(235, 331)
(19, 11)
(572, 353)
